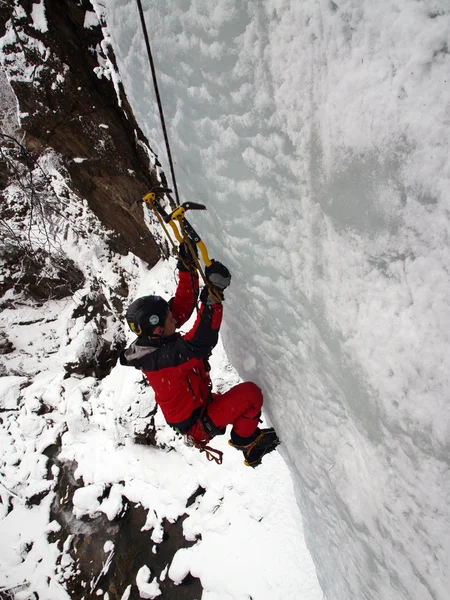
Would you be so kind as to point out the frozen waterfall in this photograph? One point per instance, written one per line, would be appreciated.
(317, 135)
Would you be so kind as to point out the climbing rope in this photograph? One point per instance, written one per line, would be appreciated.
(158, 97)
(188, 234)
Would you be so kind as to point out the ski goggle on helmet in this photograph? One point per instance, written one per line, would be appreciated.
(146, 313)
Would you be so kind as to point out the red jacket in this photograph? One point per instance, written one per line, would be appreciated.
(177, 366)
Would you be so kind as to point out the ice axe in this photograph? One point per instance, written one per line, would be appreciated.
(182, 230)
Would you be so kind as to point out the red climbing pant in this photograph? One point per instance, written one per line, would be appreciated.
(240, 407)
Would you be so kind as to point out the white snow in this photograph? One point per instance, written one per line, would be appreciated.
(86, 500)
(317, 134)
(146, 588)
(91, 19)
(38, 16)
(10, 391)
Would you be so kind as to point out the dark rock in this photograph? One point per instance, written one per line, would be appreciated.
(6, 346)
(67, 106)
(147, 436)
(52, 452)
(36, 499)
(133, 548)
(100, 356)
(27, 273)
(200, 491)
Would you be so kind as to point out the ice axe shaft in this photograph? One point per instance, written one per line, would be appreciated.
(185, 233)
(178, 217)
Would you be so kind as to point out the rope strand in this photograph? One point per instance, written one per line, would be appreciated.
(158, 97)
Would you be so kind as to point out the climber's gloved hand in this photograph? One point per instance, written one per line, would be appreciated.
(218, 276)
(211, 295)
(186, 261)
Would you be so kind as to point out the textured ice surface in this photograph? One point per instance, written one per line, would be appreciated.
(317, 134)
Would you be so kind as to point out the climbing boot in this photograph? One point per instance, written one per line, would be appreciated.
(254, 448)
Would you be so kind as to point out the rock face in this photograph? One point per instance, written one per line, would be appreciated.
(70, 99)
(107, 555)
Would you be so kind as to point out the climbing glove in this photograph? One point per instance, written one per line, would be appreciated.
(218, 275)
(186, 262)
(218, 278)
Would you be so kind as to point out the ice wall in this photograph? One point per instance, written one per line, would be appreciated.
(317, 133)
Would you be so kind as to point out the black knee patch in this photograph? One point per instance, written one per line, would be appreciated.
(209, 426)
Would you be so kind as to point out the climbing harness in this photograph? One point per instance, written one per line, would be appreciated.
(212, 454)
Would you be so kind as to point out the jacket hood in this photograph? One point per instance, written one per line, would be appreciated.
(135, 354)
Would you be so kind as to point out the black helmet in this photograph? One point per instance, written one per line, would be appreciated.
(147, 313)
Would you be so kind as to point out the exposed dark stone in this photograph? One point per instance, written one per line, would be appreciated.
(200, 491)
(43, 409)
(36, 499)
(26, 274)
(69, 115)
(6, 346)
(147, 436)
(133, 548)
(92, 305)
(52, 451)
(101, 355)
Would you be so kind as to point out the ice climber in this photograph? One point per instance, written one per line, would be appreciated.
(177, 367)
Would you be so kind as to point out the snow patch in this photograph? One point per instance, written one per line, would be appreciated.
(10, 387)
(91, 19)
(146, 588)
(38, 17)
